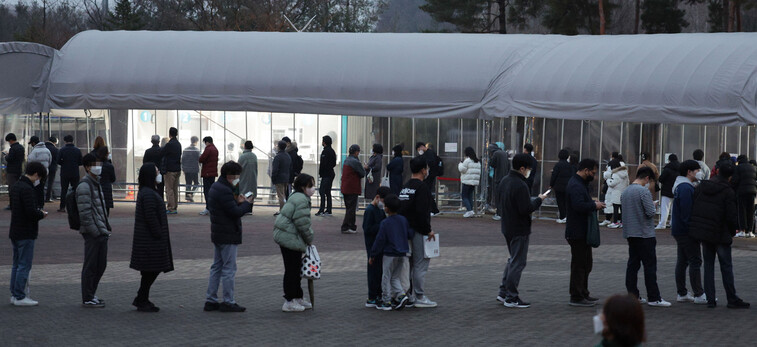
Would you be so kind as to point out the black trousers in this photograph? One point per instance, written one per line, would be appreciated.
(95, 260)
(723, 252)
(560, 197)
(581, 263)
(206, 183)
(191, 181)
(325, 191)
(431, 183)
(689, 256)
(350, 202)
(143, 295)
(50, 181)
(617, 216)
(642, 251)
(39, 190)
(65, 183)
(11, 179)
(746, 211)
(375, 270)
(292, 265)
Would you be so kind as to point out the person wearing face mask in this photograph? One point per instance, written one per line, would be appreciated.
(434, 168)
(95, 230)
(226, 212)
(374, 214)
(616, 177)
(24, 229)
(352, 174)
(248, 182)
(580, 206)
(621, 322)
(14, 159)
(40, 154)
(293, 234)
(107, 177)
(516, 206)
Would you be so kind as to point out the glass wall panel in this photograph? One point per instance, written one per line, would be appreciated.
(732, 140)
(308, 141)
(590, 140)
(451, 152)
(552, 140)
(744, 145)
(713, 144)
(401, 133)
(571, 136)
(611, 141)
(672, 141)
(331, 125)
(693, 139)
(259, 132)
(630, 146)
(650, 142)
(426, 132)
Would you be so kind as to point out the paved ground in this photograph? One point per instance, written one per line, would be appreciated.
(464, 280)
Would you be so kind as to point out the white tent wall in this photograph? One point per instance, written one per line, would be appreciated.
(24, 68)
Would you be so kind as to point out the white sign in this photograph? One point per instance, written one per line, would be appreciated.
(450, 147)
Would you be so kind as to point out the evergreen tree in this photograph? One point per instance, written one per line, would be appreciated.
(124, 18)
(572, 17)
(662, 16)
(466, 15)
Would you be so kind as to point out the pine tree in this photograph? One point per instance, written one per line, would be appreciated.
(662, 16)
(124, 17)
(572, 17)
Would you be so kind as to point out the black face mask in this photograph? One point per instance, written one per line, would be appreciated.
(589, 178)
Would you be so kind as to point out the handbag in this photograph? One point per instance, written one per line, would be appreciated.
(369, 176)
(385, 181)
(592, 234)
(311, 264)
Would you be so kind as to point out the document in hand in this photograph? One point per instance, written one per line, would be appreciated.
(431, 248)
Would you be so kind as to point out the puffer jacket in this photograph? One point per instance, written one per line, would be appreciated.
(714, 217)
(617, 182)
(470, 172)
(25, 215)
(668, 178)
(151, 245)
(744, 180)
(292, 228)
(94, 221)
(40, 154)
(225, 214)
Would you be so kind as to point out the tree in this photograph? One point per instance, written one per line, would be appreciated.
(571, 17)
(472, 16)
(124, 17)
(662, 16)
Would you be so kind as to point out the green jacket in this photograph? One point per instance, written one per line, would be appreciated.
(292, 228)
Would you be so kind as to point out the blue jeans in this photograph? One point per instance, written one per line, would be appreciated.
(23, 253)
(467, 195)
(223, 270)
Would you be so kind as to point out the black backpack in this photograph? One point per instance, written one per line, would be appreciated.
(297, 164)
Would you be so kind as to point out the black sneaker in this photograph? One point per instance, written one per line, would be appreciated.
(92, 304)
(592, 299)
(402, 301)
(517, 303)
(582, 303)
(276, 214)
(226, 307)
(712, 304)
(738, 304)
(148, 307)
(211, 306)
(318, 214)
(384, 306)
(327, 213)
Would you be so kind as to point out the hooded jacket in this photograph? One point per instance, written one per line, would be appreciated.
(500, 162)
(683, 200)
(714, 215)
(25, 215)
(292, 151)
(281, 168)
(225, 213)
(617, 182)
(209, 161)
(470, 172)
(515, 202)
(91, 205)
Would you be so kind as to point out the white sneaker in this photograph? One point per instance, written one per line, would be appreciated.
(292, 306)
(661, 303)
(701, 300)
(614, 225)
(424, 302)
(740, 234)
(750, 235)
(562, 221)
(685, 298)
(304, 303)
(660, 227)
(605, 223)
(462, 209)
(13, 299)
(468, 214)
(642, 301)
(27, 301)
(500, 299)
(497, 217)
(204, 212)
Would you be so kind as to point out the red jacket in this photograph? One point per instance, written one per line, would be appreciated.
(351, 179)
(209, 161)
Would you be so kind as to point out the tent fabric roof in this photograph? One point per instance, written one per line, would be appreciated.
(24, 68)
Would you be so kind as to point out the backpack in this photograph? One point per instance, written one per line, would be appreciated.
(72, 208)
(297, 164)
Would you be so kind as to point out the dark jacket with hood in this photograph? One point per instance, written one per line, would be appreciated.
(668, 178)
(714, 216)
(683, 200)
(500, 162)
(515, 202)
(744, 180)
(15, 159)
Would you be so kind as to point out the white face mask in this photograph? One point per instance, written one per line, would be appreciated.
(528, 173)
(381, 205)
(647, 185)
(598, 326)
(36, 183)
(96, 170)
(159, 179)
(310, 191)
(110, 157)
(235, 182)
(420, 152)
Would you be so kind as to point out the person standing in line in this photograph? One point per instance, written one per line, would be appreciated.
(433, 162)
(326, 171)
(517, 206)
(155, 156)
(390, 251)
(226, 212)
(580, 206)
(95, 230)
(280, 172)
(172, 160)
(51, 145)
(190, 164)
(231, 155)
(209, 161)
(470, 177)
(99, 142)
(248, 181)
(373, 171)
(689, 249)
(645, 161)
(69, 159)
(499, 161)
(744, 182)
(714, 220)
(40, 154)
(374, 214)
(151, 246)
(297, 163)
(396, 167)
(704, 172)
(416, 201)
(561, 174)
(533, 183)
(107, 177)
(293, 233)
(14, 160)
(667, 180)
(352, 174)
(617, 182)
(639, 232)
(24, 229)
(723, 159)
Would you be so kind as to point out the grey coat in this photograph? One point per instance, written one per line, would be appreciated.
(40, 154)
(92, 215)
(190, 160)
(374, 167)
(248, 181)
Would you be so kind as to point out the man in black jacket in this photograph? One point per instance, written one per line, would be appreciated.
(561, 174)
(154, 155)
(226, 214)
(69, 159)
(714, 221)
(24, 228)
(580, 205)
(280, 171)
(326, 171)
(171, 153)
(667, 180)
(51, 145)
(516, 206)
(532, 180)
(430, 157)
(14, 160)
(744, 182)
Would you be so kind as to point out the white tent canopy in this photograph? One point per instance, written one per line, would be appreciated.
(24, 68)
(681, 78)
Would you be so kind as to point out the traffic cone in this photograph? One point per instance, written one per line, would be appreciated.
(130, 193)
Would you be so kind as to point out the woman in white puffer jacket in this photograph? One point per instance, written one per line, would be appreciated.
(617, 182)
(470, 176)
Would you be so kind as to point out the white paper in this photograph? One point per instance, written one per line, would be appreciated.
(450, 147)
(431, 248)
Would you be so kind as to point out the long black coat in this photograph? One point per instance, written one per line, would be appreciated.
(151, 248)
(107, 178)
(561, 174)
(25, 215)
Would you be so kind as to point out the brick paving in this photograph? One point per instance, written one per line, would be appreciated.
(464, 280)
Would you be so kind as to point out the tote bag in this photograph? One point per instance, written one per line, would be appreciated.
(311, 264)
(592, 235)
